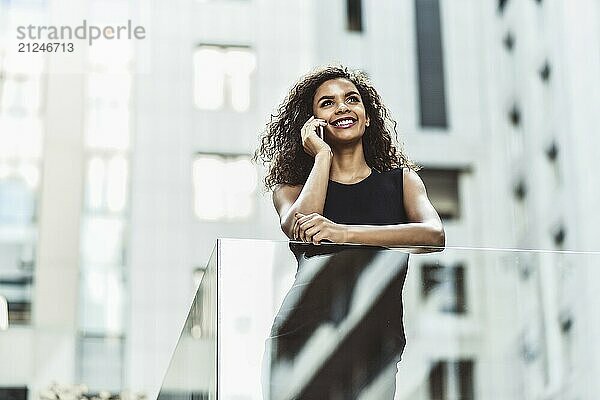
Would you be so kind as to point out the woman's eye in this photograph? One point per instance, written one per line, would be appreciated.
(326, 103)
(353, 98)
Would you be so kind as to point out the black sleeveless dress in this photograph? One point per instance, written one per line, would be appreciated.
(325, 290)
(376, 200)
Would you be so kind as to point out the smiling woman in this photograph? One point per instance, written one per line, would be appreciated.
(352, 185)
(320, 186)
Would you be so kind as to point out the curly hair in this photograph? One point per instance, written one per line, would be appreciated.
(281, 147)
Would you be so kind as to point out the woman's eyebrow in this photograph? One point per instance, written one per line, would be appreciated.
(333, 97)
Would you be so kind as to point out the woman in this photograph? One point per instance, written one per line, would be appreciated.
(313, 177)
(337, 177)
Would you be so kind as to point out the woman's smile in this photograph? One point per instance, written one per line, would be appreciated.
(344, 123)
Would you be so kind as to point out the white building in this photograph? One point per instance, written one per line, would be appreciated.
(497, 100)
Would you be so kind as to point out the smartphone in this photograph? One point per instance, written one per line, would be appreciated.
(320, 132)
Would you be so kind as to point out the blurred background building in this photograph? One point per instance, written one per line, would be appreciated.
(116, 179)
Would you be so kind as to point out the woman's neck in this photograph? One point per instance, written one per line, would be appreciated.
(349, 165)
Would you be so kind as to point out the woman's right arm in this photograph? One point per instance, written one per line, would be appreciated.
(310, 197)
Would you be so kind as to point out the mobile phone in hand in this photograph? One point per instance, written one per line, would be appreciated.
(320, 132)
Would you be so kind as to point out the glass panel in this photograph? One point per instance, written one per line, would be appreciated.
(192, 373)
(297, 321)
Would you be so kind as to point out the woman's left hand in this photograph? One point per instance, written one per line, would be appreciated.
(315, 228)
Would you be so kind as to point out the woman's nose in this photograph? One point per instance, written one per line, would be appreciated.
(342, 107)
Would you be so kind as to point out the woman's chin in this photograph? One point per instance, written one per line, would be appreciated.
(345, 137)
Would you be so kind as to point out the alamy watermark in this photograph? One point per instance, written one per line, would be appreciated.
(51, 36)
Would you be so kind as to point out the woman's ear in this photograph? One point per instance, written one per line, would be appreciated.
(368, 121)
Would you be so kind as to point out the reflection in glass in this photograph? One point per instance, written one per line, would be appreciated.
(340, 325)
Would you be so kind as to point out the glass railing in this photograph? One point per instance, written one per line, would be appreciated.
(278, 320)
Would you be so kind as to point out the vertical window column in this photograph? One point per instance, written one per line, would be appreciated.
(105, 218)
(432, 96)
(21, 135)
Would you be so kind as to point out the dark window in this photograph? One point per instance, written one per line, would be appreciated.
(559, 234)
(19, 312)
(465, 379)
(440, 374)
(13, 393)
(514, 115)
(545, 71)
(552, 151)
(445, 286)
(520, 189)
(182, 395)
(354, 15)
(509, 41)
(431, 64)
(437, 381)
(442, 190)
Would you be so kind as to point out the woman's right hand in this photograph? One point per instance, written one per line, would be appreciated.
(311, 142)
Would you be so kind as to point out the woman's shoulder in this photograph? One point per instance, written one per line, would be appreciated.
(400, 176)
(397, 172)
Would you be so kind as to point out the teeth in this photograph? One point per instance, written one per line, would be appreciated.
(344, 122)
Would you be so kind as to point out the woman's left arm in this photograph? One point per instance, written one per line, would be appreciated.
(423, 229)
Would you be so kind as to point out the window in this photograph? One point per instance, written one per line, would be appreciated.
(100, 359)
(107, 183)
(21, 134)
(354, 15)
(545, 71)
(451, 380)
(214, 200)
(445, 287)
(502, 5)
(103, 290)
(222, 77)
(432, 95)
(108, 113)
(442, 190)
(13, 393)
(3, 313)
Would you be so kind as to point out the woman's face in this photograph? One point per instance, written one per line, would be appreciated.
(338, 102)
